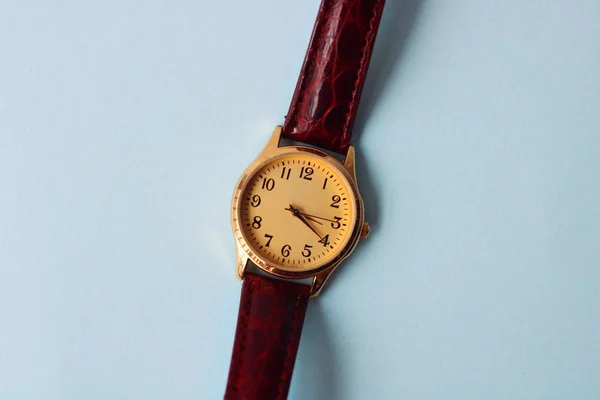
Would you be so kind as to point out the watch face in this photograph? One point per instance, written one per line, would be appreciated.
(297, 212)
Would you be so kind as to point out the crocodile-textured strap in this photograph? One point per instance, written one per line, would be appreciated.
(266, 340)
(328, 91)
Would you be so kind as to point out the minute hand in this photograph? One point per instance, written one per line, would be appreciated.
(301, 217)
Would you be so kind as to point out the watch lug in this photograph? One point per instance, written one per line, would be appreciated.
(318, 281)
(241, 262)
(350, 162)
(273, 142)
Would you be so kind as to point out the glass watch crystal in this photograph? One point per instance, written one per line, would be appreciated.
(296, 211)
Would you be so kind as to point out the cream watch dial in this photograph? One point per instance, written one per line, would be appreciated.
(297, 212)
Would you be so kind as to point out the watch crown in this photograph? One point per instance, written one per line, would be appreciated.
(364, 231)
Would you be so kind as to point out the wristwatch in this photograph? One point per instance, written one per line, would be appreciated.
(296, 211)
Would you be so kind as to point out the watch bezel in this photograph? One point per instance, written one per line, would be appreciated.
(271, 153)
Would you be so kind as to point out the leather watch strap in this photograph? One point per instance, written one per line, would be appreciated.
(268, 332)
(321, 114)
(328, 91)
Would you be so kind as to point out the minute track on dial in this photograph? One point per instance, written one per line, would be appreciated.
(279, 188)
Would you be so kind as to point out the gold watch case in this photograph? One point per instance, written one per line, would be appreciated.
(320, 273)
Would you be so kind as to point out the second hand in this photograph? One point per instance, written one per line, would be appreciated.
(314, 216)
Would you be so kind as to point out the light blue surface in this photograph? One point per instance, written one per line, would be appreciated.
(125, 125)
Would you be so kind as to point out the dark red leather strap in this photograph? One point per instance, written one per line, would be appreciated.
(266, 340)
(332, 77)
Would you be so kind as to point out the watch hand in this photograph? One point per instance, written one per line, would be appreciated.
(297, 211)
(299, 215)
(311, 217)
(308, 216)
(309, 225)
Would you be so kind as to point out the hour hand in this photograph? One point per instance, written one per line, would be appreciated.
(312, 219)
(315, 217)
(298, 214)
(309, 225)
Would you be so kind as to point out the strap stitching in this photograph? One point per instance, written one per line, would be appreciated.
(288, 348)
(312, 60)
(245, 334)
(362, 65)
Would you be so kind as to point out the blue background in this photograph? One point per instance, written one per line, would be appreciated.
(124, 126)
